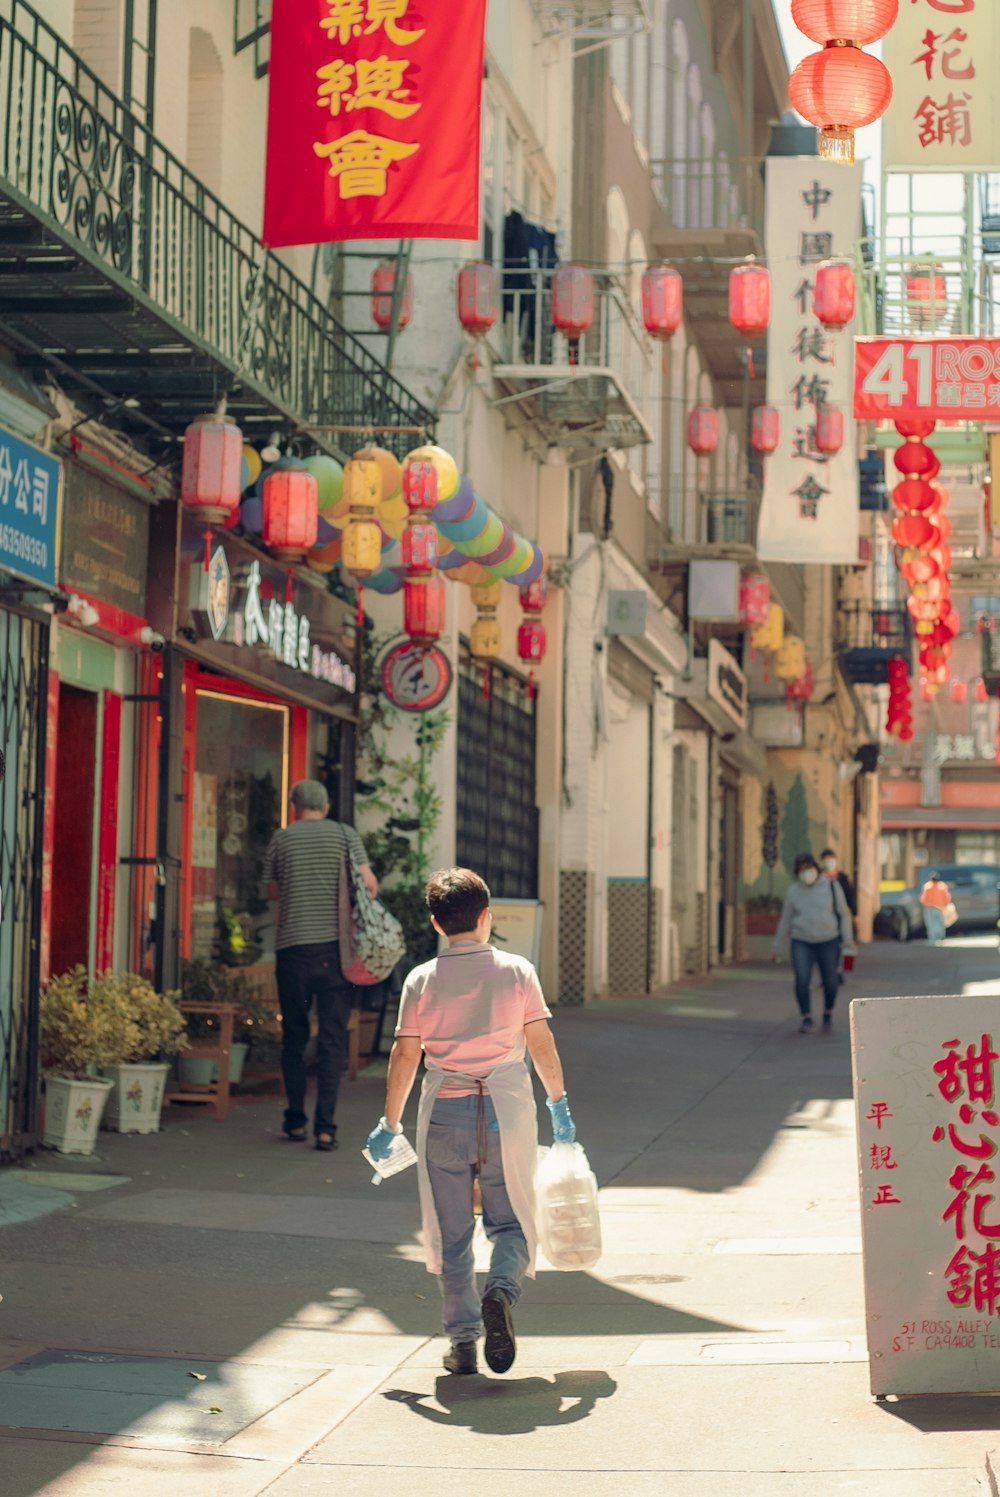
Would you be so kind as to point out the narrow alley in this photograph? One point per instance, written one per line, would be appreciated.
(211, 1310)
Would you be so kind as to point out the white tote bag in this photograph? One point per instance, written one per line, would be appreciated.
(568, 1217)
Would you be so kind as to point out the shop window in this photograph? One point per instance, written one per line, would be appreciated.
(238, 800)
(977, 847)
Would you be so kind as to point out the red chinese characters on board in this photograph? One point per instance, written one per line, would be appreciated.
(965, 1075)
(373, 120)
(944, 114)
(880, 1156)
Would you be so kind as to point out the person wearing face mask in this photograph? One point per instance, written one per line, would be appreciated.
(816, 919)
(831, 870)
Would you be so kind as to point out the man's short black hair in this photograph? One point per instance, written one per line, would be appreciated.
(805, 860)
(828, 852)
(456, 897)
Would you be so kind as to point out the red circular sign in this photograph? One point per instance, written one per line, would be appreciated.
(416, 678)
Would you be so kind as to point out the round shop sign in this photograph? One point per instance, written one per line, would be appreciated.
(416, 677)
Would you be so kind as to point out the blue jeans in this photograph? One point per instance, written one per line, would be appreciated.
(826, 956)
(461, 1143)
(934, 923)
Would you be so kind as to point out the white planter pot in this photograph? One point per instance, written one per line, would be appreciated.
(137, 1099)
(197, 1070)
(73, 1111)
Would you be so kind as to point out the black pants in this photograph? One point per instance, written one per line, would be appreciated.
(305, 973)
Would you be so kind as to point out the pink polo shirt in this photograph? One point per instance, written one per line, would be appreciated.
(468, 1007)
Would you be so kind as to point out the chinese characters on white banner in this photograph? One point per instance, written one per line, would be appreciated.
(810, 507)
(945, 111)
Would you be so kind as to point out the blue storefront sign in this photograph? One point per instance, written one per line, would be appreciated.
(29, 510)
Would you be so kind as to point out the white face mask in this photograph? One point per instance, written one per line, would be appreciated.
(808, 875)
(830, 864)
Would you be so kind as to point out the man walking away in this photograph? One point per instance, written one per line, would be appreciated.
(302, 870)
(473, 1012)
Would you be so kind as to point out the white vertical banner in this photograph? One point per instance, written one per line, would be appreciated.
(810, 507)
(945, 110)
(926, 1106)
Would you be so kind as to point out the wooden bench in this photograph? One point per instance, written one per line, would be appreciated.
(262, 983)
(215, 1093)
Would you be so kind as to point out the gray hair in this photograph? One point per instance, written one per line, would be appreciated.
(310, 795)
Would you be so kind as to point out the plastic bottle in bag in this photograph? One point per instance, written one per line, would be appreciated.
(569, 1221)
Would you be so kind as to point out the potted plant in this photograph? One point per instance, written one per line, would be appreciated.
(207, 982)
(156, 1035)
(76, 1038)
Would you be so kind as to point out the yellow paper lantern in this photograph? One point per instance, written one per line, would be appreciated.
(790, 659)
(484, 638)
(487, 594)
(389, 466)
(362, 548)
(771, 633)
(362, 539)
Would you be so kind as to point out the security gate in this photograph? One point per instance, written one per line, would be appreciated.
(497, 818)
(23, 713)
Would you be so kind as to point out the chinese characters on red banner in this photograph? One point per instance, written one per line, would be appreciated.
(373, 123)
(951, 379)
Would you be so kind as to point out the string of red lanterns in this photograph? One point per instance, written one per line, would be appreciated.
(423, 590)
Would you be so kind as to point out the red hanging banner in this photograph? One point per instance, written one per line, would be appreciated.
(374, 120)
(944, 379)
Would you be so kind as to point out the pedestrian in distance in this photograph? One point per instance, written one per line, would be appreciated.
(816, 919)
(472, 1013)
(302, 870)
(831, 870)
(935, 897)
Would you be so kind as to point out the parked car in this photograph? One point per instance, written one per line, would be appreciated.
(973, 891)
(900, 915)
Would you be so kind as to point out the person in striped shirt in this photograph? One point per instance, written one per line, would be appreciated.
(302, 872)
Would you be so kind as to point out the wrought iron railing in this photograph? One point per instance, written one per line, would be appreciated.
(710, 194)
(870, 626)
(615, 339)
(80, 163)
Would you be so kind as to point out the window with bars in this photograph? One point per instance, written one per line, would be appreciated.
(497, 817)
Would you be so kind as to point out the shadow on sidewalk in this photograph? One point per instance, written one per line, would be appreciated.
(516, 1406)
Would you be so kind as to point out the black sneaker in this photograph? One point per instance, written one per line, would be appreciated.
(501, 1348)
(461, 1358)
(827, 1023)
(806, 1026)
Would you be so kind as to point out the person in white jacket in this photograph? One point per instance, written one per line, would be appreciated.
(473, 1012)
(816, 919)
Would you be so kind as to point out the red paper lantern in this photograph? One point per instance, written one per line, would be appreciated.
(959, 692)
(755, 600)
(478, 297)
(703, 430)
(210, 469)
(829, 429)
(424, 608)
(919, 569)
(839, 90)
(419, 547)
(802, 689)
(662, 301)
(913, 459)
(750, 299)
(914, 530)
(420, 486)
(951, 620)
(765, 430)
(383, 281)
(291, 512)
(914, 494)
(572, 303)
(944, 526)
(915, 426)
(926, 294)
(859, 21)
(531, 641)
(941, 553)
(835, 293)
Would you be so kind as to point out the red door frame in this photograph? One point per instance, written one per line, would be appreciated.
(196, 680)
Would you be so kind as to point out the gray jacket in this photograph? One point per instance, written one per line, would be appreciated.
(814, 912)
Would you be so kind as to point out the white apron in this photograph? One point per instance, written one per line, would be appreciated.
(510, 1090)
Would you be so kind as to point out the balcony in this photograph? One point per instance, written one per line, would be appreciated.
(586, 398)
(590, 21)
(712, 218)
(868, 637)
(122, 273)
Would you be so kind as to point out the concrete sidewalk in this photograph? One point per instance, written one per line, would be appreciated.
(216, 1310)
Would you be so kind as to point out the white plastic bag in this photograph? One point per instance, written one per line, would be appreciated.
(569, 1221)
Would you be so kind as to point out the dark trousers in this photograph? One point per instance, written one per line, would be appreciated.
(306, 973)
(826, 956)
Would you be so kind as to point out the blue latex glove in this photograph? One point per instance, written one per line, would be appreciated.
(381, 1139)
(563, 1126)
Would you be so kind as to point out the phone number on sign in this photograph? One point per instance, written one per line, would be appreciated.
(29, 548)
(949, 379)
